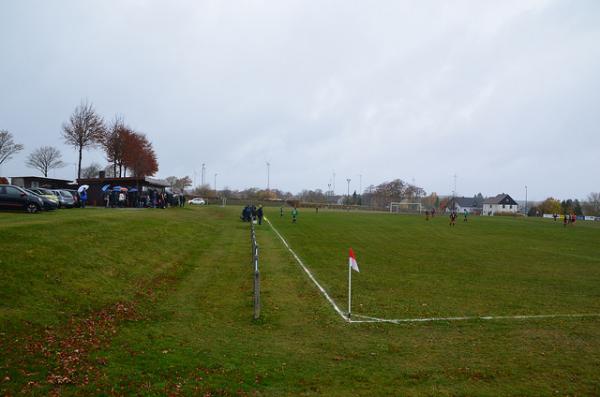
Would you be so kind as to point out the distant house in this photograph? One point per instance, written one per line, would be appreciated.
(501, 203)
(460, 204)
(33, 182)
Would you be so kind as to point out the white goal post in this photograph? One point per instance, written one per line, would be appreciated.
(405, 207)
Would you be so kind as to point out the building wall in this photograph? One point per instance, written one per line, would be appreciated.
(491, 209)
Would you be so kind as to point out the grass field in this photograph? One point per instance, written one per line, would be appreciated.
(159, 302)
(412, 268)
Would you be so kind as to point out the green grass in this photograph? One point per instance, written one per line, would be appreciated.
(411, 267)
(185, 277)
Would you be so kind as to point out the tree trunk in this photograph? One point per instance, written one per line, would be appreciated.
(79, 164)
(45, 172)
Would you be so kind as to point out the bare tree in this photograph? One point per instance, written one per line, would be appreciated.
(91, 171)
(84, 130)
(44, 159)
(7, 146)
(112, 142)
(171, 180)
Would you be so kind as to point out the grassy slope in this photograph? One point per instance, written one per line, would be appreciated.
(193, 331)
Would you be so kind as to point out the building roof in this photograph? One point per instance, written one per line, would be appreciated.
(502, 198)
(124, 181)
(43, 178)
(463, 201)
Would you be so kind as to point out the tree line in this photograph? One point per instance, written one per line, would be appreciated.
(126, 150)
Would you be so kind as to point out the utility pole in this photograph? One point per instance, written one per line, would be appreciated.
(203, 174)
(329, 189)
(268, 174)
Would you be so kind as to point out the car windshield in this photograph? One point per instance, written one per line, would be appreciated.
(45, 191)
(65, 194)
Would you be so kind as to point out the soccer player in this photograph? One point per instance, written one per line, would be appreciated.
(466, 215)
(294, 214)
(281, 211)
(426, 215)
(453, 218)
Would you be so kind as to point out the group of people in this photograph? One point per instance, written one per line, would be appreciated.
(427, 213)
(567, 219)
(147, 199)
(251, 213)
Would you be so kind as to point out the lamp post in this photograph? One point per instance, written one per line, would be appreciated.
(203, 174)
(329, 189)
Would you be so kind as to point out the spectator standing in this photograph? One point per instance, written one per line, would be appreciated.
(83, 197)
(260, 214)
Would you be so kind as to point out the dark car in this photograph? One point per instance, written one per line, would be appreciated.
(49, 204)
(15, 198)
(65, 199)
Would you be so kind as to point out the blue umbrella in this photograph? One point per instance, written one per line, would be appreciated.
(133, 190)
(117, 188)
(105, 188)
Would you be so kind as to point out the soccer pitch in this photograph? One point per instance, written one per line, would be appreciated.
(159, 302)
(411, 268)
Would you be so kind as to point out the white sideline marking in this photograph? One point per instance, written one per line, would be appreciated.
(314, 280)
(465, 318)
(368, 319)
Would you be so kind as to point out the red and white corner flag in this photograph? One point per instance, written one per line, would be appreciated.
(352, 261)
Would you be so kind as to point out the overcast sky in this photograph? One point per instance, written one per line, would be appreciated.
(503, 94)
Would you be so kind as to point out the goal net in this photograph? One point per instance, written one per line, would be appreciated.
(396, 207)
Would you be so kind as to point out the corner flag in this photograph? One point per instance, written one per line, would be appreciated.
(352, 261)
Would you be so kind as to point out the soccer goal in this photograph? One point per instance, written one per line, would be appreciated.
(398, 207)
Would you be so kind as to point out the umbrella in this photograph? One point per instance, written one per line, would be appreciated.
(82, 188)
(117, 188)
(105, 188)
(133, 190)
(123, 189)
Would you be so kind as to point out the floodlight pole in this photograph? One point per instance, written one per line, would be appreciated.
(203, 173)
(348, 180)
(268, 174)
(349, 290)
(360, 184)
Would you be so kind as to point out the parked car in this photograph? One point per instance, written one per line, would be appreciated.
(16, 198)
(76, 197)
(65, 199)
(45, 193)
(48, 204)
(197, 201)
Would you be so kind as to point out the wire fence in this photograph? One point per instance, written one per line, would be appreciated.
(256, 292)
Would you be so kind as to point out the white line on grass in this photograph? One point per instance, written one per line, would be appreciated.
(368, 319)
(310, 275)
